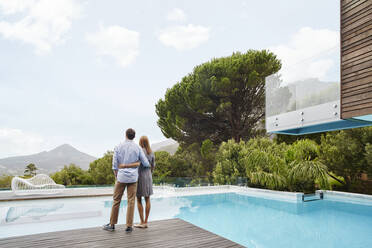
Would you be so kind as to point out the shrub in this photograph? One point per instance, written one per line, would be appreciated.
(5, 181)
(72, 175)
(270, 165)
(229, 162)
(346, 154)
(100, 170)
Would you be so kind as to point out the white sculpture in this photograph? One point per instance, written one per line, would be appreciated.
(39, 184)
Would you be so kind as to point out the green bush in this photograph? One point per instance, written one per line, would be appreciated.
(229, 165)
(348, 154)
(5, 181)
(368, 157)
(100, 170)
(163, 166)
(72, 175)
(270, 165)
(334, 160)
(265, 164)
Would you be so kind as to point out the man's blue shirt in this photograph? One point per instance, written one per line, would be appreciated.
(126, 153)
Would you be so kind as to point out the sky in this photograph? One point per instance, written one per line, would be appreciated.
(82, 72)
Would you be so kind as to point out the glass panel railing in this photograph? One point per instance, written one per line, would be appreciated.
(191, 182)
(298, 97)
(280, 98)
(283, 98)
(170, 181)
(313, 92)
(178, 182)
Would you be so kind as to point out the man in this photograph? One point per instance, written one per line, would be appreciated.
(125, 166)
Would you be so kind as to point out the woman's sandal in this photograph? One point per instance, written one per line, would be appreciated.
(140, 225)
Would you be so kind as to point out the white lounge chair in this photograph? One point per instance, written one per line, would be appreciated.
(39, 184)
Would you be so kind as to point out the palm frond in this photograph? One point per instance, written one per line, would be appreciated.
(309, 169)
(268, 180)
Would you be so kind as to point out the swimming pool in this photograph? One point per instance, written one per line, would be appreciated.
(247, 220)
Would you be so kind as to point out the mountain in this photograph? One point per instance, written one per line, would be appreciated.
(168, 145)
(47, 161)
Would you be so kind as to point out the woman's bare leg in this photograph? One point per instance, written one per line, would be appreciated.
(148, 207)
(140, 209)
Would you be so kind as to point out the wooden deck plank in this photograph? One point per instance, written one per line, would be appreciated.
(163, 233)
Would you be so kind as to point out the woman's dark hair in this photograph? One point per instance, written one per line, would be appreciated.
(130, 133)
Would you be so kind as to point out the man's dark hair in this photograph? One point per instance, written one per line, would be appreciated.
(130, 133)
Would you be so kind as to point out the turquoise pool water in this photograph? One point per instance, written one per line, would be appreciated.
(257, 222)
(249, 221)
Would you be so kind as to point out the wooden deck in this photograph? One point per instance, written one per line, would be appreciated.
(163, 233)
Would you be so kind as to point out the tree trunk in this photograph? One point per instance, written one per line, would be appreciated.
(348, 182)
(236, 137)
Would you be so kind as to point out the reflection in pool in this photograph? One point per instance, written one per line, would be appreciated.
(35, 212)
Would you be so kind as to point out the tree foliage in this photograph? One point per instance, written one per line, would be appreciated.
(230, 167)
(270, 165)
(163, 165)
(30, 170)
(100, 170)
(347, 153)
(208, 156)
(302, 165)
(72, 175)
(219, 100)
(196, 161)
(5, 181)
(308, 172)
(265, 164)
(290, 139)
(368, 156)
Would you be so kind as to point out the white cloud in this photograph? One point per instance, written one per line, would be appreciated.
(310, 53)
(42, 23)
(184, 37)
(14, 142)
(115, 41)
(9, 7)
(176, 14)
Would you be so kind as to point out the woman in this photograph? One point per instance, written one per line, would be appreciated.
(144, 185)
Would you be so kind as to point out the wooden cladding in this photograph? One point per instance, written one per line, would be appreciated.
(356, 58)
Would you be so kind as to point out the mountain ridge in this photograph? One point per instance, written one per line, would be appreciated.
(65, 154)
(47, 161)
(168, 145)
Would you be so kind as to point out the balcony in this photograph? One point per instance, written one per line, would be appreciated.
(306, 106)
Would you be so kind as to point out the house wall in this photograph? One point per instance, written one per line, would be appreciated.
(356, 58)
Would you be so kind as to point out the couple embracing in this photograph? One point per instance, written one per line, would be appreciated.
(132, 166)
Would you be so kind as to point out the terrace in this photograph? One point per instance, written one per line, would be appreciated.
(234, 215)
(163, 233)
(184, 217)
